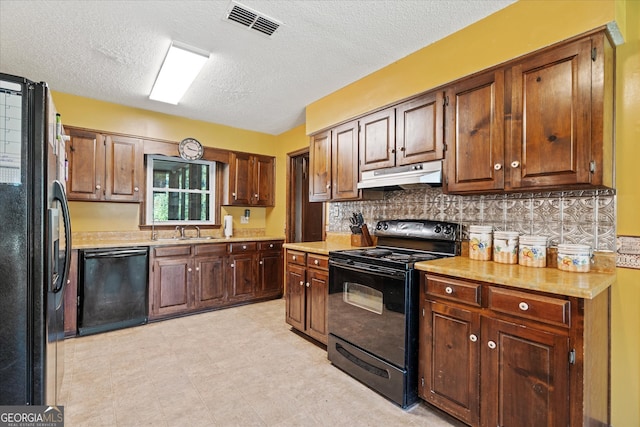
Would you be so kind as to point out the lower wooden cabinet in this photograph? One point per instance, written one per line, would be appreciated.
(307, 280)
(494, 356)
(270, 266)
(191, 278)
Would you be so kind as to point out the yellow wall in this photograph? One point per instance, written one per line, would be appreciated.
(625, 335)
(105, 116)
(518, 29)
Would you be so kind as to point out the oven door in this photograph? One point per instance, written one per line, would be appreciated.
(368, 308)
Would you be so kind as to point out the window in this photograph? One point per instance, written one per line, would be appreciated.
(180, 192)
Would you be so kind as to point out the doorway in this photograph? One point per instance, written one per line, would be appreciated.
(305, 220)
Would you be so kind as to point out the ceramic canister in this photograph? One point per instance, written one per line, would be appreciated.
(572, 257)
(532, 251)
(505, 247)
(480, 242)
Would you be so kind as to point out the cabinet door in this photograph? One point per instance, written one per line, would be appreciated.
(242, 276)
(550, 139)
(317, 288)
(124, 169)
(419, 129)
(296, 277)
(525, 375)
(377, 140)
(170, 287)
(474, 133)
(320, 167)
(264, 180)
(270, 273)
(449, 363)
(209, 281)
(344, 158)
(240, 179)
(86, 156)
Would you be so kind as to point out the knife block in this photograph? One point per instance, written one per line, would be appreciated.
(358, 240)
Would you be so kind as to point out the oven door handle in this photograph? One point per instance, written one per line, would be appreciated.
(374, 269)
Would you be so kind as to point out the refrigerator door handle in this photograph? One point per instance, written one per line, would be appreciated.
(58, 194)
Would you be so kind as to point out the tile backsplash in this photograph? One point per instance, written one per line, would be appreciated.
(584, 216)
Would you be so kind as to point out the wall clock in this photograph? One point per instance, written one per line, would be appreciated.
(190, 149)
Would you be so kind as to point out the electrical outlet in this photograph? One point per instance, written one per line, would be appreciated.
(244, 220)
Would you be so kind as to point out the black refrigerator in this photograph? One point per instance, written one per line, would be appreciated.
(35, 244)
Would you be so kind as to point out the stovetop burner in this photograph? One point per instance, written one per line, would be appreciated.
(377, 252)
(401, 243)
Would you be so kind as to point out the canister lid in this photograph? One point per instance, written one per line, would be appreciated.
(575, 249)
(481, 229)
(529, 239)
(506, 234)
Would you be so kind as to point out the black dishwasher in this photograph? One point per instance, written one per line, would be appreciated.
(112, 289)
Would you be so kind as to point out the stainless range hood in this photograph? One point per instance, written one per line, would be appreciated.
(429, 173)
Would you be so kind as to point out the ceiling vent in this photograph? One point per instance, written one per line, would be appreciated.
(249, 18)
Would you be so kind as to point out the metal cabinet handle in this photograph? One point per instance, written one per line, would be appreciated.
(523, 306)
(328, 186)
(491, 345)
(189, 269)
(271, 245)
(232, 266)
(497, 166)
(473, 338)
(234, 196)
(308, 284)
(515, 164)
(301, 282)
(197, 268)
(98, 187)
(293, 257)
(448, 290)
(316, 262)
(255, 195)
(261, 262)
(136, 189)
(244, 247)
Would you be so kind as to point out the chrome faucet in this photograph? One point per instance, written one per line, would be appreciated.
(179, 231)
(198, 230)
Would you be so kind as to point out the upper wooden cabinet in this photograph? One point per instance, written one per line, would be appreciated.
(251, 180)
(104, 167)
(475, 134)
(344, 161)
(378, 140)
(419, 129)
(556, 135)
(540, 122)
(320, 167)
(333, 164)
(411, 132)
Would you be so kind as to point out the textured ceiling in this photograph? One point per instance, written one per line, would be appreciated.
(112, 50)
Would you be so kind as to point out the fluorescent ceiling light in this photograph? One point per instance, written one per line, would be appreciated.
(180, 68)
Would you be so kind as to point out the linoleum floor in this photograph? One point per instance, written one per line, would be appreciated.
(240, 366)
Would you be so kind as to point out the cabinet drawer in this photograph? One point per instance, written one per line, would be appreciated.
(295, 257)
(240, 247)
(455, 290)
(545, 309)
(269, 246)
(215, 249)
(318, 261)
(172, 251)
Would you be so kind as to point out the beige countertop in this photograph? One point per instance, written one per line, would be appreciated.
(99, 243)
(322, 248)
(551, 280)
